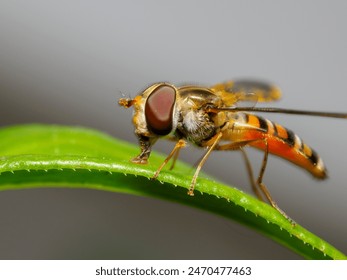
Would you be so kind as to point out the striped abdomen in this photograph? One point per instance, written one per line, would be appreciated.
(281, 142)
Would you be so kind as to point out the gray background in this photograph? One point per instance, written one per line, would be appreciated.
(67, 62)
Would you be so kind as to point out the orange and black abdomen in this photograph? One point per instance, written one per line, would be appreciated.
(283, 143)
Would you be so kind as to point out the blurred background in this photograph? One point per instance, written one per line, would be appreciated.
(68, 62)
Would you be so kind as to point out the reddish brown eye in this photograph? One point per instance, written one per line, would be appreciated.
(159, 108)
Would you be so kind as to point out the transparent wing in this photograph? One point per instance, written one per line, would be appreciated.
(247, 90)
(252, 91)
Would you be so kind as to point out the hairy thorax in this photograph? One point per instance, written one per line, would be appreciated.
(196, 126)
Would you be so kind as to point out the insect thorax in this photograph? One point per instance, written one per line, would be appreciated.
(196, 126)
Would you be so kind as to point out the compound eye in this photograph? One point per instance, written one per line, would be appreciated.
(159, 109)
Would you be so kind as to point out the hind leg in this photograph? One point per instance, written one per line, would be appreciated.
(258, 186)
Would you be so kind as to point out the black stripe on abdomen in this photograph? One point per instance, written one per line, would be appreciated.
(290, 140)
(314, 157)
(263, 124)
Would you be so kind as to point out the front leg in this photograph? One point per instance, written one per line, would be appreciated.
(179, 145)
(146, 144)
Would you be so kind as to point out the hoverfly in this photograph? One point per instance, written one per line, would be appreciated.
(210, 118)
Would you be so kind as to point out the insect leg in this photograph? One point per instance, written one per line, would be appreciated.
(175, 156)
(239, 146)
(259, 183)
(180, 144)
(251, 174)
(146, 148)
(263, 186)
(215, 141)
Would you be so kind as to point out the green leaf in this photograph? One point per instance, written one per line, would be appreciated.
(48, 155)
